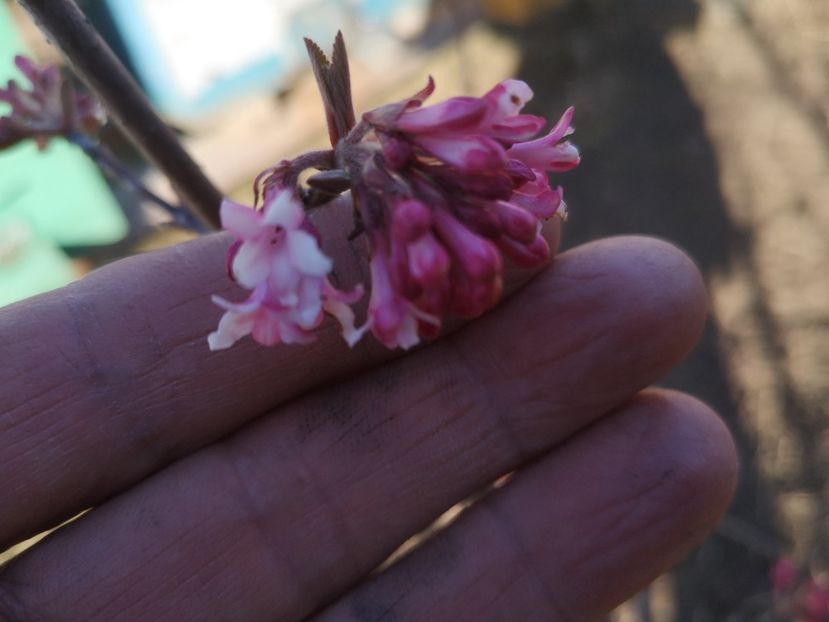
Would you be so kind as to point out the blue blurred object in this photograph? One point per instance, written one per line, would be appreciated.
(191, 55)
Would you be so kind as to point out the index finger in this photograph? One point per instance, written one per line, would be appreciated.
(108, 380)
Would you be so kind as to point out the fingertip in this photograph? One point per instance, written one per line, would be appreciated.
(692, 443)
(652, 289)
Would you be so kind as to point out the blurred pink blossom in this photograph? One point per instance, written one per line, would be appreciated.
(49, 107)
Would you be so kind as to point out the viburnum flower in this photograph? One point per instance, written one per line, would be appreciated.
(277, 256)
(441, 194)
(798, 594)
(49, 107)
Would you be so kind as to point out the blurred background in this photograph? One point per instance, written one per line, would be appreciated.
(703, 122)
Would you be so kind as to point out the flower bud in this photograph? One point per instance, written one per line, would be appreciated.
(529, 255)
(478, 258)
(516, 223)
(428, 261)
(411, 219)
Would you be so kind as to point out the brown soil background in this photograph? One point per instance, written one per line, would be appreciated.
(707, 124)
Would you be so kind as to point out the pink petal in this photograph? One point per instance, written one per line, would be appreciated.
(478, 257)
(336, 303)
(240, 220)
(406, 335)
(266, 328)
(284, 210)
(308, 312)
(428, 261)
(305, 254)
(232, 327)
(509, 97)
(345, 316)
(517, 128)
(516, 222)
(546, 155)
(538, 198)
(456, 114)
(237, 321)
(563, 128)
(397, 151)
(27, 67)
(525, 255)
(464, 152)
(253, 302)
(252, 263)
(283, 277)
(423, 94)
(410, 220)
(293, 334)
(385, 117)
(549, 153)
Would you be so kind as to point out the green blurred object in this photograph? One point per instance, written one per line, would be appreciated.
(57, 197)
(29, 264)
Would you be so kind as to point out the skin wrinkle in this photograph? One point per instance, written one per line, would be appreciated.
(499, 594)
(253, 513)
(390, 380)
(140, 575)
(84, 372)
(118, 593)
(272, 541)
(119, 607)
(109, 378)
(432, 432)
(493, 402)
(337, 409)
(91, 370)
(347, 542)
(348, 420)
(510, 536)
(560, 402)
(445, 389)
(624, 528)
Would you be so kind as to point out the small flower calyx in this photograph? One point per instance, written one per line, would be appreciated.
(443, 195)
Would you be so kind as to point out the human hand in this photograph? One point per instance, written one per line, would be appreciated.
(266, 484)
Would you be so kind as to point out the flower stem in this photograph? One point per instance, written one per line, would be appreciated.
(110, 163)
(96, 63)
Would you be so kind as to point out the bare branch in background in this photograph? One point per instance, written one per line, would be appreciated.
(95, 62)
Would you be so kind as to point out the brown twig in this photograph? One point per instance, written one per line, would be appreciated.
(95, 62)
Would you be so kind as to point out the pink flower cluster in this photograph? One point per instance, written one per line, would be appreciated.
(277, 256)
(798, 595)
(443, 194)
(49, 108)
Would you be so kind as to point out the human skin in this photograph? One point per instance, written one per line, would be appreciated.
(267, 483)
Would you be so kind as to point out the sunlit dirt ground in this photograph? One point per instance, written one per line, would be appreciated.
(708, 124)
